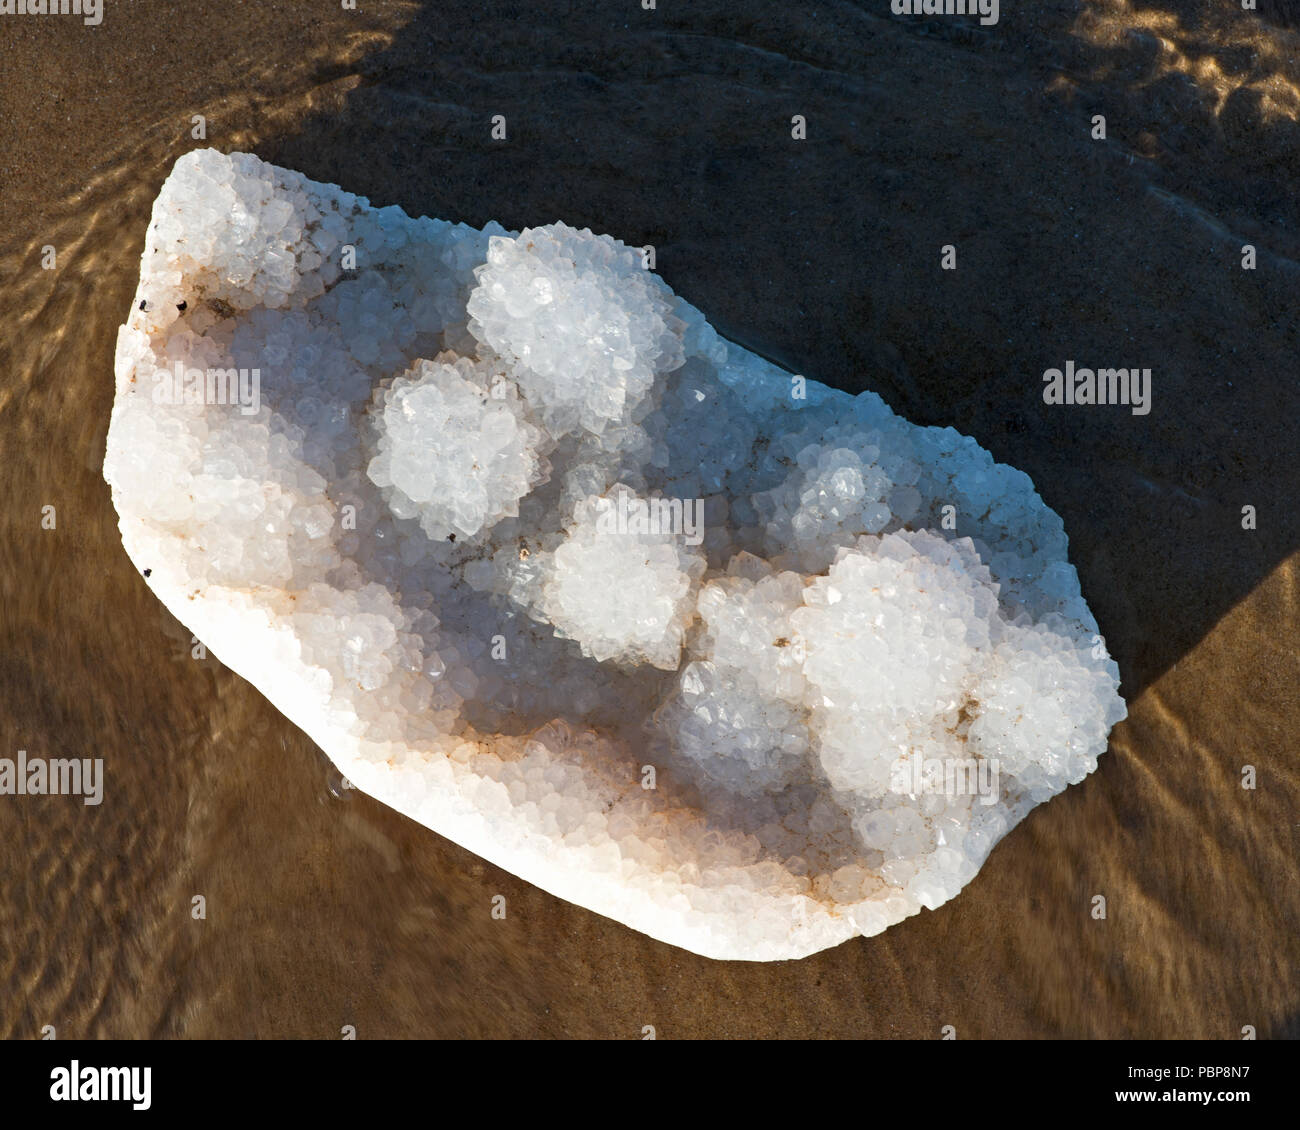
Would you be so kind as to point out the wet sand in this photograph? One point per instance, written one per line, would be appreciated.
(673, 128)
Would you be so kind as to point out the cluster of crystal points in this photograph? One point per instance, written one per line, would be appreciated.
(411, 548)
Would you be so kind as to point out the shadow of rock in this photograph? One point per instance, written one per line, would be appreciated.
(673, 128)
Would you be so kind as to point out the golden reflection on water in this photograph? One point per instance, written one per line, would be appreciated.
(325, 909)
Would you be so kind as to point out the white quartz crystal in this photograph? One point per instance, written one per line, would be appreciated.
(484, 462)
(748, 664)
(621, 593)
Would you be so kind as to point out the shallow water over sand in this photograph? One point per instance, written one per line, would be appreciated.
(324, 908)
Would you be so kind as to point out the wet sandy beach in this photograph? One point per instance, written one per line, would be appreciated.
(672, 128)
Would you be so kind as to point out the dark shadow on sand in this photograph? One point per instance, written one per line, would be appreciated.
(673, 128)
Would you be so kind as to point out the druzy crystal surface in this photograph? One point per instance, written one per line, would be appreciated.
(541, 561)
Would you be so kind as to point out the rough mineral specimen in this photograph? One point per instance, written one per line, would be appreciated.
(541, 561)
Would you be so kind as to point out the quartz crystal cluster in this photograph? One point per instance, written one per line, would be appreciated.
(744, 662)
